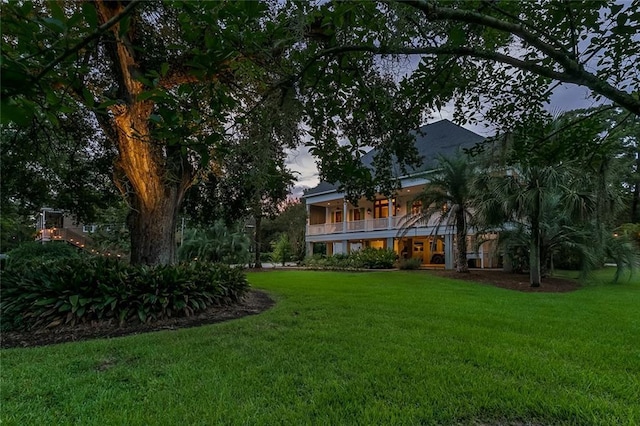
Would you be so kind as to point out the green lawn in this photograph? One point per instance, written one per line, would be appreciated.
(355, 348)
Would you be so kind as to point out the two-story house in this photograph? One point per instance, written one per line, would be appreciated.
(344, 227)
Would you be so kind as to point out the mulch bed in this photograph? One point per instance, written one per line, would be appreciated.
(519, 282)
(253, 303)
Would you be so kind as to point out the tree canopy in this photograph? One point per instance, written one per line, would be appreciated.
(163, 83)
(496, 59)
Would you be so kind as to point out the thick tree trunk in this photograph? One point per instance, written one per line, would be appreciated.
(635, 195)
(155, 180)
(153, 231)
(154, 176)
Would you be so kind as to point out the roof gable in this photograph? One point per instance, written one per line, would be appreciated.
(440, 138)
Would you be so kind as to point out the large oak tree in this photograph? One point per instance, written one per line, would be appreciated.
(163, 80)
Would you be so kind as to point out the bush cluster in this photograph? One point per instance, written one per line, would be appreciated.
(69, 291)
(33, 251)
(367, 258)
(411, 263)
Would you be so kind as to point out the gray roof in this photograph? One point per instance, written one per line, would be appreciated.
(442, 137)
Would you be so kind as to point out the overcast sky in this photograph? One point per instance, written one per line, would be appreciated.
(566, 97)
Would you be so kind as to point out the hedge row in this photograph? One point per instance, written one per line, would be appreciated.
(367, 258)
(70, 291)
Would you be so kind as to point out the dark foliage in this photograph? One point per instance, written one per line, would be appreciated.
(568, 258)
(367, 258)
(70, 291)
(33, 253)
(412, 263)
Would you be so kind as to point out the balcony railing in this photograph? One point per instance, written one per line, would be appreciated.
(363, 225)
(63, 234)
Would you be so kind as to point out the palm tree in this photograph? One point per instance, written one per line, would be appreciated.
(560, 224)
(530, 198)
(556, 183)
(448, 198)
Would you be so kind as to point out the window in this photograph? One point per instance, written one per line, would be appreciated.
(416, 207)
(337, 216)
(381, 208)
(88, 228)
(356, 214)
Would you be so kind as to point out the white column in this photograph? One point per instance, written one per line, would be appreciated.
(390, 218)
(327, 215)
(344, 216)
(390, 243)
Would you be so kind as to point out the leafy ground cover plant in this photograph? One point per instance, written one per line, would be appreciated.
(37, 252)
(70, 291)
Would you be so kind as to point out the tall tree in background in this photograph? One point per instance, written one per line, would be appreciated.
(616, 152)
(67, 166)
(290, 220)
(257, 168)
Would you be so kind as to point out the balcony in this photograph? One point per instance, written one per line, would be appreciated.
(363, 226)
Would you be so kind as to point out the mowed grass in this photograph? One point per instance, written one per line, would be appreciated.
(355, 348)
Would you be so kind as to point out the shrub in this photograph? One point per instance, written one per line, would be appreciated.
(371, 258)
(315, 261)
(412, 263)
(265, 257)
(90, 289)
(33, 251)
(368, 258)
(282, 250)
(217, 243)
(567, 258)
